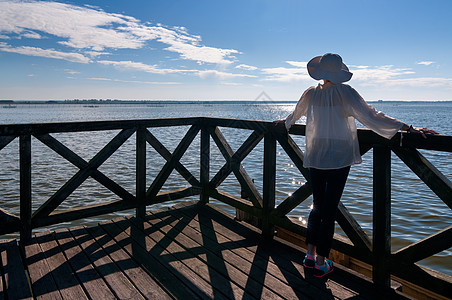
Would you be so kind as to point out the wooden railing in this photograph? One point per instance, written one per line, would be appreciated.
(374, 250)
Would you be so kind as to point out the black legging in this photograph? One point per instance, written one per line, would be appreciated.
(327, 188)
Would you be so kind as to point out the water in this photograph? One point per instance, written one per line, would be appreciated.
(416, 211)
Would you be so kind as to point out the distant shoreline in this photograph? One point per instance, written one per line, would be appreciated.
(108, 101)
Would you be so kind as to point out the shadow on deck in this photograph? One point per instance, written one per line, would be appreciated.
(188, 252)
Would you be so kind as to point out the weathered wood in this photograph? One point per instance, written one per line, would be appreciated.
(233, 267)
(241, 250)
(56, 199)
(84, 271)
(58, 269)
(427, 172)
(142, 280)
(25, 187)
(269, 183)
(203, 262)
(179, 167)
(15, 279)
(135, 248)
(42, 128)
(107, 269)
(170, 164)
(205, 163)
(381, 215)
(140, 166)
(79, 162)
(297, 197)
(427, 247)
(88, 211)
(236, 202)
(233, 163)
(165, 252)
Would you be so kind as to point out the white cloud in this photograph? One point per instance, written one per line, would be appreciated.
(49, 53)
(299, 64)
(32, 35)
(133, 81)
(221, 75)
(426, 63)
(91, 29)
(130, 65)
(246, 67)
(422, 82)
(284, 74)
(380, 73)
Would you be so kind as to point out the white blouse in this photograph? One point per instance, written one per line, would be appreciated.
(331, 134)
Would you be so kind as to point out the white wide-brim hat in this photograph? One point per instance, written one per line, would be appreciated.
(330, 67)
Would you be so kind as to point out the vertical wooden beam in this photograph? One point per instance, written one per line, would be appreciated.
(381, 215)
(25, 188)
(205, 163)
(141, 172)
(269, 184)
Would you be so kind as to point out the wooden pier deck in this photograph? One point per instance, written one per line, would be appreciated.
(192, 251)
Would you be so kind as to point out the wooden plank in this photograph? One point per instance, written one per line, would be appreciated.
(170, 165)
(161, 149)
(203, 262)
(205, 163)
(42, 128)
(236, 202)
(269, 185)
(25, 187)
(427, 172)
(291, 202)
(58, 268)
(177, 278)
(107, 269)
(78, 213)
(426, 247)
(86, 274)
(56, 199)
(381, 216)
(16, 284)
(289, 261)
(140, 173)
(248, 273)
(275, 259)
(167, 250)
(142, 280)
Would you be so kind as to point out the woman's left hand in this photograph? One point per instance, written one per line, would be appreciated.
(422, 130)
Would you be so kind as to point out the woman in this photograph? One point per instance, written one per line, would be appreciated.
(332, 147)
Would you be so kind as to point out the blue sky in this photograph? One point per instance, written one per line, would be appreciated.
(221, 50)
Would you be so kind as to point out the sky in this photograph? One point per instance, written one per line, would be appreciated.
(221, 50)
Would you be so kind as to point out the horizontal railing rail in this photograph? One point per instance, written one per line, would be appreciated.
(374, 250)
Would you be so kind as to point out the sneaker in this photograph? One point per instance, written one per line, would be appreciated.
(309, 261)
(324, 269)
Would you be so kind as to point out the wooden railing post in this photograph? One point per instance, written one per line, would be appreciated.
(205, 163)
(141, 172)
(381, 215)
(269, 184)
(25, 188)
